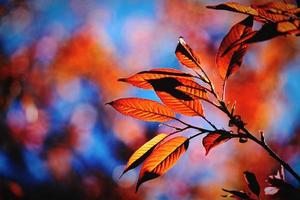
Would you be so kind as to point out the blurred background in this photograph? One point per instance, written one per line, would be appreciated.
(59, 65)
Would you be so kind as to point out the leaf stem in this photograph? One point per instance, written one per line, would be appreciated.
(191, 126)
(223, 90)
(193, 136)
(209, 122)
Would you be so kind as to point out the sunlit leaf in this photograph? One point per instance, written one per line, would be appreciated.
(143, 152)
(162, 159)
(275, 11)
(268, 12)
(186, 55)
(178, 100)
(289, 27)
(141, 79)
(213, 139)
(184, 107)
(229, 59)
(235, 7)
(143, 109)
(193, 89)
(252, 183)
(240, 195)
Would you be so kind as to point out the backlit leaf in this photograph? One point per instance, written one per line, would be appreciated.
(141, 79)
(289, 27)
(143, 109)
(143, 152)
(235, 7)
(162, 159)
(178, 100)
(252, 183)
(213, 139)
(268, 12)
(229, 59)
(193, 89)
(186, 55)
(275, 11)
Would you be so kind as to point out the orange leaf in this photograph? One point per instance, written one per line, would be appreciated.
(272, 12)
(143, 109)
(193, 89)
(143, 152)
(235, 7)
(213, 139)
(162, 159)
(179, 101)
(289, 27)
(276, 11)
(229, 58)
(186, 55)
(141, 79)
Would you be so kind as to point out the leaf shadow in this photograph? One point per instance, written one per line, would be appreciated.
(169, 85)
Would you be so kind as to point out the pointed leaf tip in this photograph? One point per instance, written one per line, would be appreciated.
(185, 54)
(162, 159)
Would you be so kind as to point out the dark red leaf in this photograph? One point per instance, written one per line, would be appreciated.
(252, 183)
(213, 139)
(241, 195)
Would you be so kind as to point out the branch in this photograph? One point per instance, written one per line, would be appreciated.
(261, 143)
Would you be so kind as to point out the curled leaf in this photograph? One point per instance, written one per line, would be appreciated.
(186, 55)
(213, 139)
(162, 159)
(141, 79)
(252, 182)
(229, 58)
(143, 152)
(143, 109)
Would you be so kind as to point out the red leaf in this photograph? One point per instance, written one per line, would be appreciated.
(229, 58)
(252, 183)
(213, 139)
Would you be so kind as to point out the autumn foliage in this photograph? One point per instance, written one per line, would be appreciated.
(183, 93)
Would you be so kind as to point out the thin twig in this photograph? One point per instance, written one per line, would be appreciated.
(193, 136)
(170, 126)
(209, 122)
